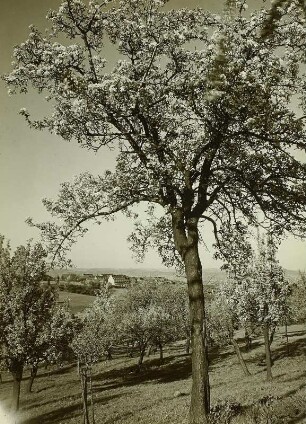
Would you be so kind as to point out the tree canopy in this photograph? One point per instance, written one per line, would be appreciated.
(199, 107)
(26, 308)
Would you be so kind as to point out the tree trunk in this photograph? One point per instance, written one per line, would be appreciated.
(149, 350)
(83, 375)
(187, 346)
(248, 339)
(33, 374)
(287, 338)
(109, 355)
(240, 358)
(200, 392)
(265, 330)
(17, 377)
(186, 238)
(141, 356)
(271, 337)
(91, 397)
(130, 349)
(161, 352)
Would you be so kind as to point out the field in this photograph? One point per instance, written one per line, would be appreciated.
(77, 302)
(159, 393)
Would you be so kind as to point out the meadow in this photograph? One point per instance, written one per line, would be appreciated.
(159, 393)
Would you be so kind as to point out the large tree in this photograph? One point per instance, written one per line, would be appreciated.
(198, 107)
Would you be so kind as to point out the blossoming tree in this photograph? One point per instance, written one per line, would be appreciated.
(25, 309)
(222, 321)
(52, 343)
(198, 107)
(92, 339)
(257, 289)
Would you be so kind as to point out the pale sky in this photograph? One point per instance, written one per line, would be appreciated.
(33, 164)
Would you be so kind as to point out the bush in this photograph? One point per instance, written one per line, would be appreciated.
(223, 412)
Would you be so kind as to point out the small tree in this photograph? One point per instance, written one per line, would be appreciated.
(222, 323)
(25, 308)
(297, 300)
(173, 317)
(138, 325)
(258, 290)
(96, 334)
(145, 318)
(52, 344)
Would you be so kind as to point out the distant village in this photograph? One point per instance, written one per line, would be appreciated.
(86, 283)
(112, 280)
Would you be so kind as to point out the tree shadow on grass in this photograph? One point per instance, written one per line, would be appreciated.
(65, 412)
(297, 333)
(217, 355)
(49, 401)
(293, 391)
(173, 368)
(47, 373)
(43, 389)
(298, 419)
(56, 415)
(128, 414)
(296, 348)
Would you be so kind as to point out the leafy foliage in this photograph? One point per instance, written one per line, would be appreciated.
(97, 331)
(208, 131)
(297, 300)
(257, 289)
(26, 306)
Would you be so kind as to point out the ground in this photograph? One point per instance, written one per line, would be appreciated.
(159, 393)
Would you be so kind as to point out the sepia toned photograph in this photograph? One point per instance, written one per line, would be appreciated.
(153, 212)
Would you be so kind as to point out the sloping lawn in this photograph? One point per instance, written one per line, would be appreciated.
(77, 302)
(159, 393)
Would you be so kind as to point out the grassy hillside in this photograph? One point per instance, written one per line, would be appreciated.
(159, 394)
(77, 302)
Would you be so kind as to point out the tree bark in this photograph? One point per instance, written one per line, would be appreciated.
(33, 374)
(91, 397)
(141, 355)
(271, 337)
(109, 355)
(200, 392)
(186, 238)
(287, 338)
(248, 339)
(149, 350)
(240, 358)
(265, 330)
(83, 375)
(17, 377)
(187, 346)
(161, 352)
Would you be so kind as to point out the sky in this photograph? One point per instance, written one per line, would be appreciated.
(33, 164)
